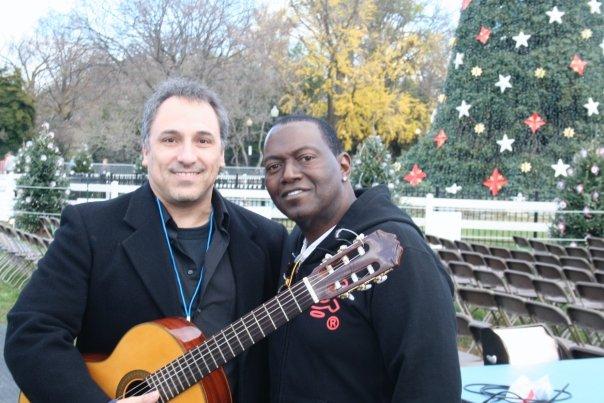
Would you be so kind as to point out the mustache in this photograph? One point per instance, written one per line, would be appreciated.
(180, 168)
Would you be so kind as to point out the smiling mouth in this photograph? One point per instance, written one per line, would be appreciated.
(292, 193)
(186, 174)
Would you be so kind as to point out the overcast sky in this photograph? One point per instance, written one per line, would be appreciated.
(18, 17)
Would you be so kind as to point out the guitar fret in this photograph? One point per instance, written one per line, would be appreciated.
(168, 378)
(227, 343)
(219, 349)
(196, 364)
(207, 344)
(294, 298)
(282, 310)
(269, 315)
(257, 323)
(191, 377)
(246, 329)
(177, 377)
(237, 336)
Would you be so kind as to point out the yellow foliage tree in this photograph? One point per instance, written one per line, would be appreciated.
(350, 72)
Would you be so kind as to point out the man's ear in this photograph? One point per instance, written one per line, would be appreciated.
(145, 154)
(345, 162)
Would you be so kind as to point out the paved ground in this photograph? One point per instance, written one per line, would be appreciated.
(8, 389)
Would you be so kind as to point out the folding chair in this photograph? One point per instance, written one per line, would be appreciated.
(447, 244)
(495, 263)
(577, 251)
(561, 324)
(551, 291)
(599, 274)
(520, 284)
(468, 327)
(521, 241)
(513, 308)
(576, 262)
(591, 294)
(502, 253)
(461, 245)
(595, 241)
(520, 265)
(597, 263)
(482, 249)
(487, 279)
(475, 298)
(578, 275)
(538, 246)
(475, 259)
(523, 255)
(432, 240)
(596, 252)
(550, 272)
(449, 255)
(462, 273)
(590, 320)
(579, 352)
(555, 249)
(547, 258)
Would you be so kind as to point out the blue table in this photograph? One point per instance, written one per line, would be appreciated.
(585, 377)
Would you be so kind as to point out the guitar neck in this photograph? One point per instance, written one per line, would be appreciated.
(190, 368)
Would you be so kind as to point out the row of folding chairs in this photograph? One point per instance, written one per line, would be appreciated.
(471, 329)
(50, 225)
(20, 252)
(577, 323)
(498, 262)
(465, 273)
(526, 285)
(595, 247)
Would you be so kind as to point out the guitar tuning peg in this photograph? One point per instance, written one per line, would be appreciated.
(350, 297)
(365, 287)
(347, 295)
(342, 247)
(360, 237)
(380, 279)
(327, 257)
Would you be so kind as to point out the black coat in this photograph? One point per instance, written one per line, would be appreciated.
(394, 343)
(106, 271)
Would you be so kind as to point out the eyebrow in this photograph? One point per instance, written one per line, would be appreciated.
(174, 131)
(296, 151)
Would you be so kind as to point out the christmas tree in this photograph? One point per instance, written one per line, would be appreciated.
(82, 162)
(521, 97)
(579, 197)
(372, 165)
(42, 186)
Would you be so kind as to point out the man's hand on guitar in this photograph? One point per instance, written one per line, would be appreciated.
(148, 398)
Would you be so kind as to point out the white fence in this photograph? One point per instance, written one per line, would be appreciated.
(480, 220)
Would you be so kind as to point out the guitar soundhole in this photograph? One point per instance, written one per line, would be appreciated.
(133, 384)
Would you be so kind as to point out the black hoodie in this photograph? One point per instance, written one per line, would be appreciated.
(394, 343)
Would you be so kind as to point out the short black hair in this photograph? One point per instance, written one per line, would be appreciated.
(328, 132)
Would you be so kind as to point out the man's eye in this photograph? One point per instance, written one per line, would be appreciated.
(271, 167)
(307, 158)
(168, 140)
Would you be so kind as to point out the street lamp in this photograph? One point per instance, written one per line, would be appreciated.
(248, 124)
(274, 112)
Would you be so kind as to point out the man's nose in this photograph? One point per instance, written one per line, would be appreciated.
(291, 172)
(186, 154)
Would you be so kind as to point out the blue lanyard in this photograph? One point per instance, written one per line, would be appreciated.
(187, 307)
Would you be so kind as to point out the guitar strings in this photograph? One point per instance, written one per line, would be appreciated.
(193, 355)
(218, 345)
(197, 353)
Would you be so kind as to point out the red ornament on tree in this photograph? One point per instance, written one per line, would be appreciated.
(484, 35)
(440, 138)
(535, 121)
(495, 182)
(465, 4)
(578, 65)
(416, 176)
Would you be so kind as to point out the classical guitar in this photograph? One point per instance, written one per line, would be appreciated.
(171, 355)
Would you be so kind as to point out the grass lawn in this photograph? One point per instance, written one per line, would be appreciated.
(8, 296)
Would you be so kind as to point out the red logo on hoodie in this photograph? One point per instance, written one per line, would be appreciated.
(325, 307)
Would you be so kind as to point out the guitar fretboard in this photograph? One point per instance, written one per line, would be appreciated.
(190, 368)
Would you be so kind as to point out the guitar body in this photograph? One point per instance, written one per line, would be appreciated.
(146, 348)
